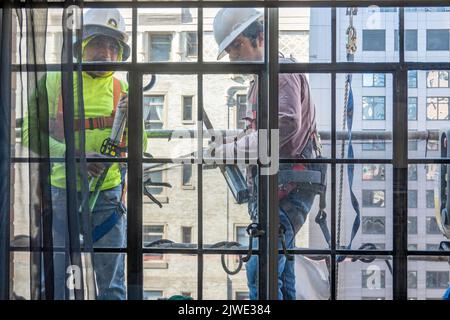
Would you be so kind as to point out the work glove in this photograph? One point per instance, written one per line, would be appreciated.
(95, 169)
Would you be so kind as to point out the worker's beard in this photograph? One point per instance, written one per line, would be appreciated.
(100, 74)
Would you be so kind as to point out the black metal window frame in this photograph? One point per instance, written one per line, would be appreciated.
(267, 73)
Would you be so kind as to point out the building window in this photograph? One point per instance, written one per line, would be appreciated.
(241, 111)
(155, 176)
(412, 198)
(149, 235)
(374, 146)
(412, 279)
(153, 111)
(373, 225)
(438, 40)
(410, 40)
(432, 226)
(160, 47)
(191, 44)
(412, 172)
(241, 235)
(437, 279)
(432, 246)
(412, 225)
(373, 198)
(373, 172)
(374, 80)
(437, 79)
(431, 171)
(412, 79)
(412, 108)
(242, 295)
(152, 294)
(437, 108)
(187, 175)
(430, 199)
(412, 246)
(373, 279)
(374, 108)
(374, 40)
(186, 234)
(187, 108)
(412, 145)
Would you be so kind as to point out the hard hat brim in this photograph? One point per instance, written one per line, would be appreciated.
(234, 34)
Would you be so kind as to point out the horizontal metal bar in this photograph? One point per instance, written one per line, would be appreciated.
(248, 3)
(218, 68)
(239, 161)
(63, 160)
(342, 67)
(418, 253)
(429, 161)
(412, 255)
(153, 68)
(324, 135)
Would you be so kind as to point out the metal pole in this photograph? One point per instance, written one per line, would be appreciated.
(134, 194)
(272, 196)
(5, 146)
(400, 161)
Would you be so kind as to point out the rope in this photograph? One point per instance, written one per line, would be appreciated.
(351, 49)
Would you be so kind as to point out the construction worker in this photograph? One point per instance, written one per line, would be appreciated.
(239, 32)
(104, 40)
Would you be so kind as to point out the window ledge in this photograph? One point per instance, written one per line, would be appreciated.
(162, 199)
(156, 265)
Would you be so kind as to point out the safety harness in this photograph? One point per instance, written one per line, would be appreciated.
(56, 126)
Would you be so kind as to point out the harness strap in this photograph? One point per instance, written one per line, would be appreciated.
(102, 229)
(57, 124)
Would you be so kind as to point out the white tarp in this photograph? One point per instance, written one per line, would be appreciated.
(311, 279)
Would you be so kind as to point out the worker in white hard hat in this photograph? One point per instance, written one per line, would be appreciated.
(239, 32)
(103, 40)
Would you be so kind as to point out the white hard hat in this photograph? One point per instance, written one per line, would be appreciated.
(108, 22)
(229, 23)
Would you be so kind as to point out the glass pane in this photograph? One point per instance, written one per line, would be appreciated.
(369, 280)
(374, 28)
(305, 34)
(372, 116)
(430, 29)
(174, 197)
(223, 286)
(241, 49)
(374, 197)
(172, 275)
(430, 99)
(431, 275)
(168, 135)
(167, 35)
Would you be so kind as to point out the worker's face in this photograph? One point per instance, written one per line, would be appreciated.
(242, 49)
(101, 49)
